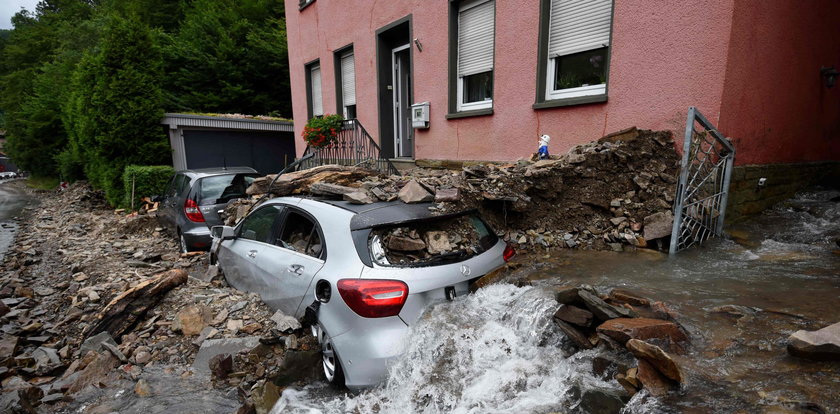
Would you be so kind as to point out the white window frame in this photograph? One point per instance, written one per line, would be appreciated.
(471, 106)
(551, 68)
(320, 94)
(551, 93)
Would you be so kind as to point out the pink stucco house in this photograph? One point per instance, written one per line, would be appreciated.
(499, 73)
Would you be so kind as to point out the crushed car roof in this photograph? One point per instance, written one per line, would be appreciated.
(386, 213)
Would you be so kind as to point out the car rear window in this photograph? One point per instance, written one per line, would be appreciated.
(220, 189)
(430, 242)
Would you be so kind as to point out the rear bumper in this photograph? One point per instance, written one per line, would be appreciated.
(365, 353)
(198, 238)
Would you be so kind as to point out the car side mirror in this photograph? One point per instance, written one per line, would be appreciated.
(222, 232)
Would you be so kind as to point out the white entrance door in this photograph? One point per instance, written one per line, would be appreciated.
(403, 132)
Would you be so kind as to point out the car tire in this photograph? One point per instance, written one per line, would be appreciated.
(331, 364)
(182, 243)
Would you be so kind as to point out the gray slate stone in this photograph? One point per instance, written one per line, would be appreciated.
(358, 197)
(213, 347)
(822, 345)
(603, 310)
(658, 225)
(413, 192)
(576, 336)
(94, 343)
(285, 323)
(447, 195)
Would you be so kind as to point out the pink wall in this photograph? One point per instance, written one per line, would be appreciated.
(666, 56)
(775, 105)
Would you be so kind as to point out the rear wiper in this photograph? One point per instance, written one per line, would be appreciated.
(448, 256)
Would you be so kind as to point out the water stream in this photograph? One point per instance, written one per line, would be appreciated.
(498, 351)
(12, 201)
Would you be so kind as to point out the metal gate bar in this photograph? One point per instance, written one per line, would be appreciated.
(706, 170)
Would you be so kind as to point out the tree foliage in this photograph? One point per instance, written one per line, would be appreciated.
(230, 56)
(81, 81)
(115, 108)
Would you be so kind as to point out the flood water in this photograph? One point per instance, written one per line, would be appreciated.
(498, 351)
(12, 201)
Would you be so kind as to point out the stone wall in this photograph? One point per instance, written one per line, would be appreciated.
(782, 182)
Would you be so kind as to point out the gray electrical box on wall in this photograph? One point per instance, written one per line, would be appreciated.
(420, 115)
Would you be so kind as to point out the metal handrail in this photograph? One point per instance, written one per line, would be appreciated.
(353, 146)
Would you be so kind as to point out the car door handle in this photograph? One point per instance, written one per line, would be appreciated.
(296, 269)
(252, 254)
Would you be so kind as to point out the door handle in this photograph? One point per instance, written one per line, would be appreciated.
(296, 269)
(252, 254)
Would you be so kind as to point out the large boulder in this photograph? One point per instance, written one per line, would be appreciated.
(624, 329)
(657, 357)
(95, 372)
(213, 347)
(823, 345)
(577, 337)
(658, 225)
(574, 315)
(413, 192)
(192, 319)
(603, 310)
(653, 380)
(566, 294)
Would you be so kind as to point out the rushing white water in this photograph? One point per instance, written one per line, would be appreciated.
(494, 351)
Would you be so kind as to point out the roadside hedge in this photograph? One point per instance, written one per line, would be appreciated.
(149, 180)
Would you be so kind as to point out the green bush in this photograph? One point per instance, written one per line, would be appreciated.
(148, 181)
(70, 165)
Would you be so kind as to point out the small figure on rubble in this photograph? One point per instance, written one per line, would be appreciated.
(543, 150)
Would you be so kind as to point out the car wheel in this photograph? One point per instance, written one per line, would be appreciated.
(329, 359)
(182, 243)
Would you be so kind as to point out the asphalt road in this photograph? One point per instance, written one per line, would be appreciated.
(12, 201)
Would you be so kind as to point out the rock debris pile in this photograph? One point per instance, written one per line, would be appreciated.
(453, 238)
(615, 193)
(88, 297)
(626, 323)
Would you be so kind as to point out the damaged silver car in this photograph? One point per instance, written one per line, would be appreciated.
(361, 274)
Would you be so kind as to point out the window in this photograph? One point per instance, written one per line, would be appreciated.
(574, 55)
(313, 83)
(346, 82)
(177, 185)
(303, 3)
(259, 225)
(220, 189)
(475, 41)
(301, 235)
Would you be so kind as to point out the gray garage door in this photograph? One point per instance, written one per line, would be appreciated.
(266, 152)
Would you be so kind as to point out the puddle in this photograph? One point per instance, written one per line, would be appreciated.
(12, 201)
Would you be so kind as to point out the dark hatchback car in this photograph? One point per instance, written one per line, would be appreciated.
(193, 199)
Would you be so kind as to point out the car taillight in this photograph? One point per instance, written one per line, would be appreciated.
(508, 253)
(192, 211)
(373, 298)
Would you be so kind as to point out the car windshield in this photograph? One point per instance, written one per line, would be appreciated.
(430, 242)
(220, 189)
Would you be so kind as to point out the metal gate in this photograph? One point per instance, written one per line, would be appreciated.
(706, 170)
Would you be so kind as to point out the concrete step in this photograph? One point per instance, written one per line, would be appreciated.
(403, 164)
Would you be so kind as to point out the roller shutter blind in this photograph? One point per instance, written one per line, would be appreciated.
(476, 32)
(578, 26)
(317, 101)
(348, 79)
